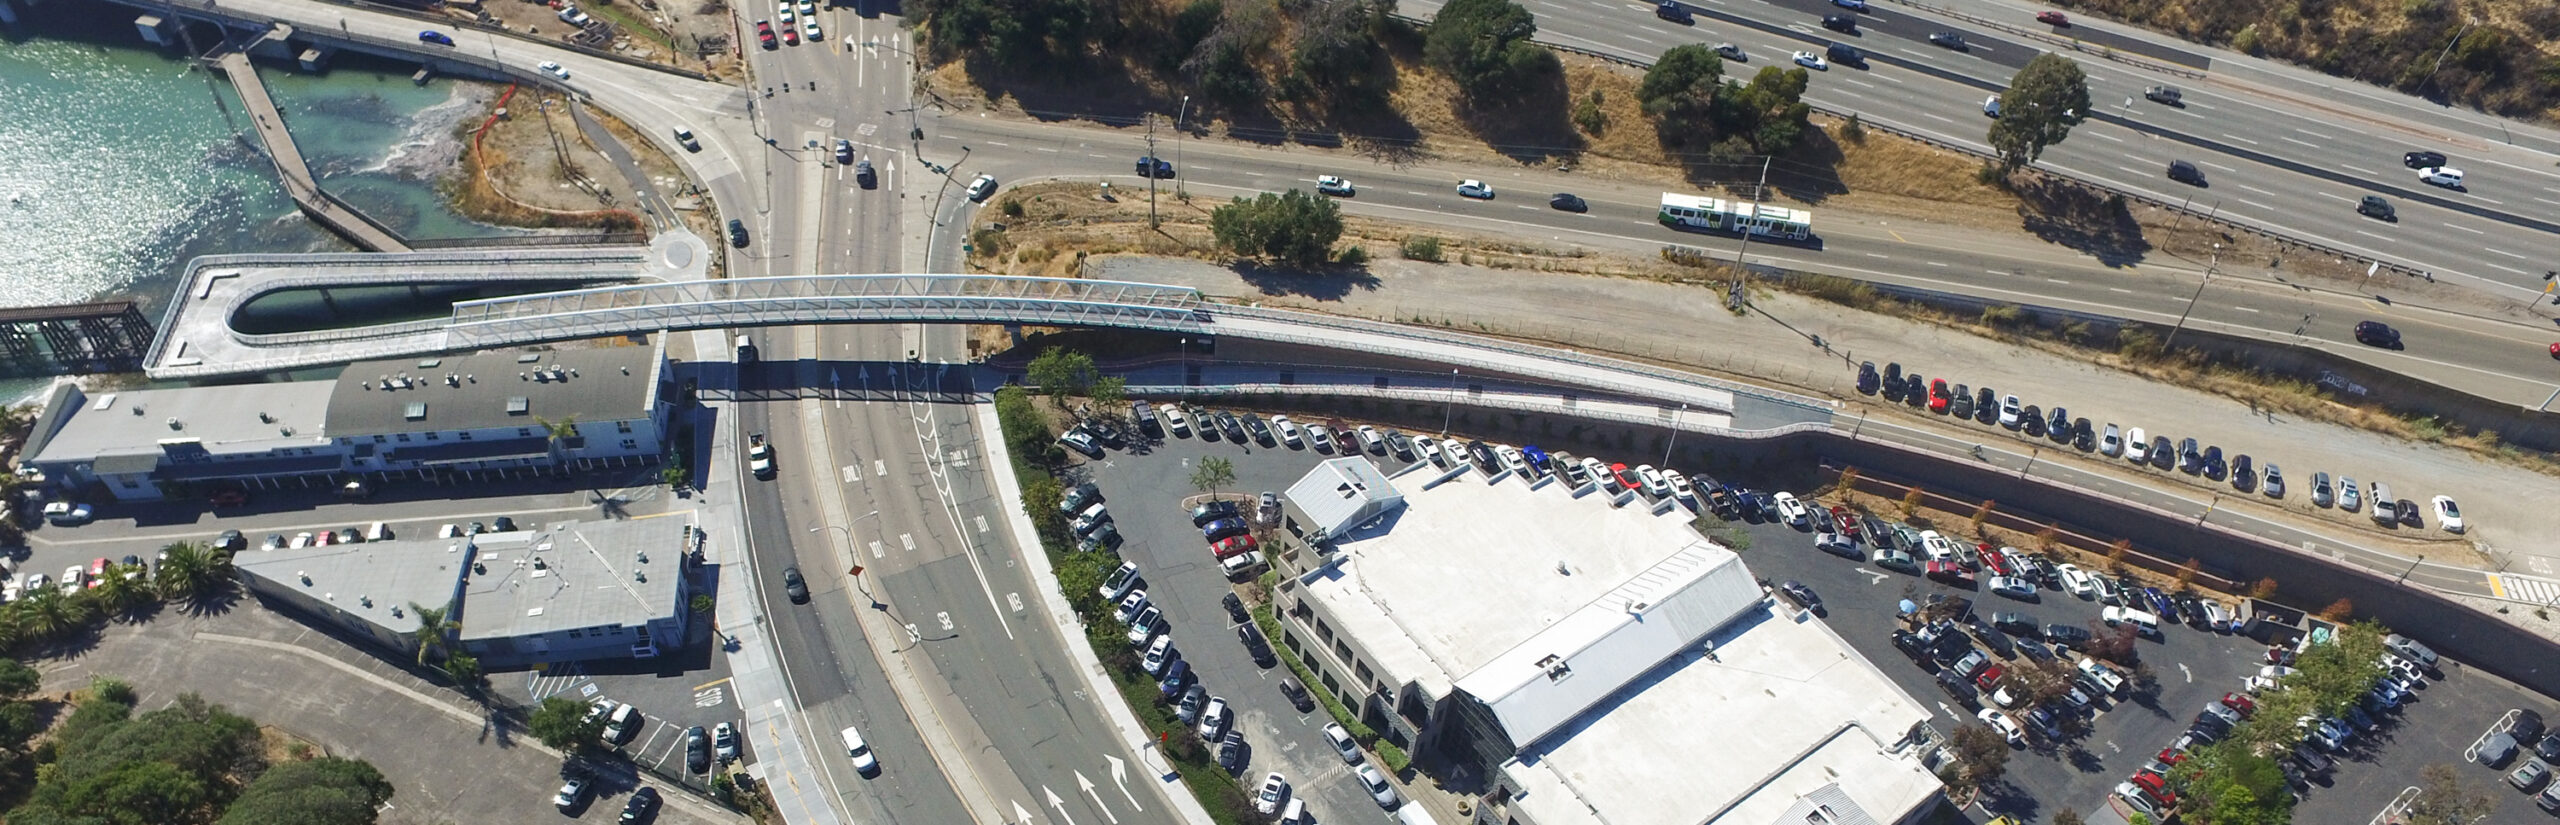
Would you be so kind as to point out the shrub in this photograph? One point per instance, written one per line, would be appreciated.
(2248, 41)
(1587, 114)
(1424, 248)
(1853, 131)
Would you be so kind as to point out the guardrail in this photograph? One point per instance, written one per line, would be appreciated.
(2074, 43)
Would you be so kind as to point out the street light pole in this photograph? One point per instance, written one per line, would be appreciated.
(1179, 126)
(1675, 434)
(1450, 407)
(2191, 299)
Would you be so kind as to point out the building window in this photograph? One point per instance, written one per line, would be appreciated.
(1324, 631)
(622, 427)
(630, 444)
(524, 432)
(466, 435)
(129, 484)
(1362, 668)
(575, 634)
(1341, 651)
(432, 437)
(379, 439)
(404, 438)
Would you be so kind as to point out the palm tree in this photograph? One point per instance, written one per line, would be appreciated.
(1213, 474)
(189, 569)
(433, 629)
(558, 431)
(120, 595)
(48, 612)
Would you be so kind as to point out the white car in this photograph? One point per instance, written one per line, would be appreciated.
(2010, 412)
(1120, 582)
(2137, 446)
(1789, 509)
(554, 68)
(1379, 790)
(1321, 436)
(1130, 605)
(1512, 459)
(724, 742)
(1428, 448)
(1288, 431)
(35, 582)
(2448, 515)
(1680, 485)
(1176, 422)
(2000, 721)
(1812, 61)
(1937, 546)
(2012, 587)
(2074, 581)
(1342, 743)
(2445, 176)
(982, 187)
(1599, 472)
(812, 31)
(1475, 189)
(2275, 671)
(2110, 444)
(1213, 718)
(2106, 678)
(1144, 628)
(1274, 789)
(1331, 185)
(1657, 487)
(1158, 654)
(1370, 440)
(1991, 106)
(786, 16)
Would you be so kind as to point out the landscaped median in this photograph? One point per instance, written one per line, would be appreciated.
(1031, 447)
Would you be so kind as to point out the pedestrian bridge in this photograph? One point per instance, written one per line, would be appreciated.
(641, 308)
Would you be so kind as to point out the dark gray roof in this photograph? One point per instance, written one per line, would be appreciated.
(480, 391)
(473, 450)
(126, 464)
(277, 466)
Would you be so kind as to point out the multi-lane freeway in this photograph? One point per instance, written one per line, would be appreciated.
(2274, 153)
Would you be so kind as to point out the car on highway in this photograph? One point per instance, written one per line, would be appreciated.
(794, 586)
(980, 188)
(1568, 202)
(2422, 159)
(2378, 334)
(2448, 514)
(1949, 40)
(1845, 54)
(1811, 61)
(2186, 173)
(436, 37)
(2445, 176)
(1852, 5)
(1732, 52)
(1154, 167)
(1334, 186)
(2373, 206)
(1672, 10)
(554, 68)
(1991, 106)
(2168, 95)
(1840, 22)
(1476, 189)
(2052, 18)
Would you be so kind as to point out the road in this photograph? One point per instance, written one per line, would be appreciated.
(2275, 153)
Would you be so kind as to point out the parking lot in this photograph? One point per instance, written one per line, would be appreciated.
(1145, 491)
(2183, 669)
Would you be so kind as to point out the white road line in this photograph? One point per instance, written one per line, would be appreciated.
(999, 143)
(2260, 191)
(2365, 172)
(2371, 235)
(2313, 134)
(2548, 201)
(2105, 136)
(2194, 105)
(1944, 119)
(2239, 138)
(2488, 200)
(2255, 205)
(1886, 78)
(2508, 254)
(2213, 165)
(1935, 263)
(2055, 281)
(1876, 255)
(2245, 309)
(1990, 271)
(2335, 197)
(2300, 142)
(2465, 229)
(2509, 269)
(2119, 289)
(1858, 82)
(2131, 170)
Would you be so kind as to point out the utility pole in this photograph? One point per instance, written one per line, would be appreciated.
(1151, 172)
(2191, 299)
(1181, 123)
(1742, 271)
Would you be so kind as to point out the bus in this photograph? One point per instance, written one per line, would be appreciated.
(1761, 219)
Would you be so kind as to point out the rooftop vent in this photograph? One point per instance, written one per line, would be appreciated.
(174, 424)
(416, 411)
(518, 405)
(539, 564)
(264, 418)
(365, 600)
(430, 363)
(396, 612)
(529, 358)
(639, 575)
(453, 380)
(305, 577)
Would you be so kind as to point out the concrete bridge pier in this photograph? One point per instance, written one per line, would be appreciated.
(155, 29)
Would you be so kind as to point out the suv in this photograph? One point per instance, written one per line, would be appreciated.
(2164, 94)
(1840, 22)
(2377, 333)
(1672, 10)
(2186, 173)
(1845, 55)
(1949, 40)
(1154, 167)
(737, 234)
(2373, 206)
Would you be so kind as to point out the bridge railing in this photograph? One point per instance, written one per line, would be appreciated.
(787, 300)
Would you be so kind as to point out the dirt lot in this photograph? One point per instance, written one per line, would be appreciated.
(534, 167)
(686, 34)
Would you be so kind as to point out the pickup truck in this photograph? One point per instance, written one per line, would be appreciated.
(759, 456)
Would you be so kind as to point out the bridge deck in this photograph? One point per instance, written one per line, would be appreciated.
(292, 169)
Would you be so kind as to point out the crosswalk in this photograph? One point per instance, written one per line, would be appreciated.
(2524, 588)
(555, 680)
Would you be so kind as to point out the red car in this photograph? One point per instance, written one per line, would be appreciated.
(1951, 573)
(2241, 703)
(2157, 786)
(790, 36)
(764, 34)
(1626, 477)
(1848, 523)
(1991, 560)
(1989, 677)
(2052, 18)
(2555, 350)
(1232, 546)
(97, 571)
(1938, 395)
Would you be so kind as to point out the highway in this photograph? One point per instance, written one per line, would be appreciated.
(2273, 155)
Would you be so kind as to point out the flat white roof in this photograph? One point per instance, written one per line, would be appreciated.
(1416, 590)
(1783, 710)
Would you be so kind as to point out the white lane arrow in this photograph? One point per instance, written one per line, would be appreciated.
(1087, 785)
(1019, 815)
(1059, 804)
(1120, 776)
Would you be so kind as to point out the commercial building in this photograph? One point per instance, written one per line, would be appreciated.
(1572, 662)
(450, 417)
(563, 593)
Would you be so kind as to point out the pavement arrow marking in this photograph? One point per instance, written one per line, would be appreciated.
(1020, 815)
(1877, 576)
(1120, 776)
(1059, 804)
(1087, 785)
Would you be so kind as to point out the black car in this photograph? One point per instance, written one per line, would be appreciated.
(1235, 607)
(2031, 420)
(1297, 694)
(1957, 687)
(737, 234)
(2186, 173)
(2378, 334)
(2161, 456)
(794, 586)
(2422, 160)
(1256, 646)
(2081, 437)
(1233, 428)
(2059, 423)
(1844, 54)
(1840, 22)
(2191, 610)
(1484, 457)
(1568, 202)
(1802, 595)
(862, 174)
(2242, 475)
(2017, 623)
(1986, 408)
(503, 524)
(2067, 635)
(1104, 537)
(2168, 95)
(2373, 206)
(1915, 391)
(1154, 167)
(1868, 381)
(1911, 645)
(1261, 432)
(1400, 445)
(1223, 529)
(1231, 751)
(697, 749)
(1674, 12)
(642, 806)
(231, 541)
(1949, 40)
(1202, 515)
(844, 151)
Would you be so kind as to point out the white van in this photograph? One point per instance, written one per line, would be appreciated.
(860, 751)
(1414, 815)
(1295, 813)
(2385, 508)
(2142, 620)
(378, 532)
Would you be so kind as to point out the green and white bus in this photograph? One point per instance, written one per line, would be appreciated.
(1765, 220)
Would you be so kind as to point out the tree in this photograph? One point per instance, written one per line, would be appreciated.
(119, 595)
(2046, 98)
(1682, 83)
(324, 791)
(48, 613)
(565, 724)
(1213, 474)
(17, 680)
(1484, 46)
(2265, 588)
(1911, 502)
(1768, 114)
(2445, 799)
(433, 629)
(1336, 52)
(2186, 574)
(2339, 611)
(2116, 553)
(191, 569)
(1293, 228)
(1981, 514)
(1108, 392)
(1983, 752)
(2067, 816)
(1847, 483)
(1040, 499)
(1060, 372)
